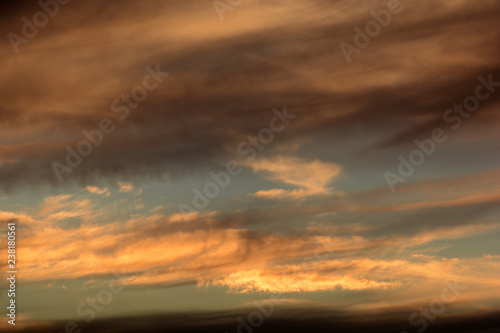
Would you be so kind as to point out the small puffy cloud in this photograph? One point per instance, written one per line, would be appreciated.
(96, 190)
(280, 193)
(156, 209)
(125, 187)
(187, 217)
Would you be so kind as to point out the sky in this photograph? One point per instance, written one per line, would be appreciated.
(251, 166)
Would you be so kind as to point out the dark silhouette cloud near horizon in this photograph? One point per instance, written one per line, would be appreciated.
(284, 320)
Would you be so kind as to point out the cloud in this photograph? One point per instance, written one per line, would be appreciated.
(96, 190)
(312, 177)
(210, 250)
(64, 206)
(268, 281)
(281, 194)
(125, 187)
(285, 318)
(229, 78)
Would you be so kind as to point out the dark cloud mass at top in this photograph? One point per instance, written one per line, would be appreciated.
(224, 84)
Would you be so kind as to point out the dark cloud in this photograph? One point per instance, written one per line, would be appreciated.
(284, 320)
(223, 89)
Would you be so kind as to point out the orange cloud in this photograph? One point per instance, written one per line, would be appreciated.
(312, 177)
(242, 260)
(96, 190)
